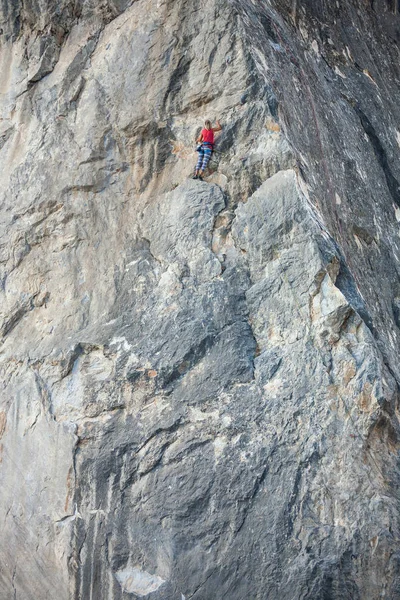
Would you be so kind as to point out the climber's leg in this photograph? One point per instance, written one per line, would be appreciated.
(199, 162)
(206, 159)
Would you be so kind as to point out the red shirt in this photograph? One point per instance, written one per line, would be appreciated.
(208, 136)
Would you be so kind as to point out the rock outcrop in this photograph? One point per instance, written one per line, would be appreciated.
(200, 379)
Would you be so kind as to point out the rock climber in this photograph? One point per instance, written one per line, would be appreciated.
(205, 147)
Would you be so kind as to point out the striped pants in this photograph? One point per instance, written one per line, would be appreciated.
(204, 157)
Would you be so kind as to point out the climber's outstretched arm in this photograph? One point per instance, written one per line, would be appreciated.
(218, 127)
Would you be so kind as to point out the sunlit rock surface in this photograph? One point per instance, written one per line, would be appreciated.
(200, 379)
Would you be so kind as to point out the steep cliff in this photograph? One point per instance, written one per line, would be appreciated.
(200, 379)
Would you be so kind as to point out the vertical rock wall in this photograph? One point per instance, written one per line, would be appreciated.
(200, 385)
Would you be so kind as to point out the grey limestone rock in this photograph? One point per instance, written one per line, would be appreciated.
(200, 379)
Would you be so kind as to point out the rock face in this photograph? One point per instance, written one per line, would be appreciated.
(200, 379)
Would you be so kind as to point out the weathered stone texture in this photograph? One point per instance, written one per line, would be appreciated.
(200, 379)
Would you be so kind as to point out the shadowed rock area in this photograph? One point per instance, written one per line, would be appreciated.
(200, 379)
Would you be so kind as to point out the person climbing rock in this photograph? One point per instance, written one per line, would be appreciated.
(205, 148)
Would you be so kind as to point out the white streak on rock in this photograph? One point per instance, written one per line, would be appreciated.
(141, 583)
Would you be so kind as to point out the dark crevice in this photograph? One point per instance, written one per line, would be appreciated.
(19, 312)
(257, 486)
(380, 153)
(346, 284)
(191, 358)
(177, 79)
(6, 136)
(268, 27)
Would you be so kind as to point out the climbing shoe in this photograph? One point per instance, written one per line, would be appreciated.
(195, 177)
